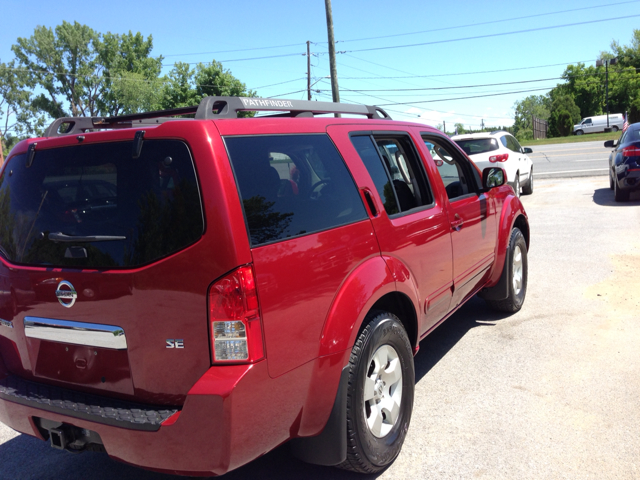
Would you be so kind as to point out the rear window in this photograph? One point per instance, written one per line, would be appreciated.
(478, 145)
(292, 185)
(96, 206)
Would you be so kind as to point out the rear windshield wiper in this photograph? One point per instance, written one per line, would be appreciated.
(61, 237)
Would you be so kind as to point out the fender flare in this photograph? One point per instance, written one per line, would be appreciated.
(512, 214)
(358, 293)
(366, 285)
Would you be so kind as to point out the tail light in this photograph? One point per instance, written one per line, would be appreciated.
(234, 318)
(631, 151)
(503, 157)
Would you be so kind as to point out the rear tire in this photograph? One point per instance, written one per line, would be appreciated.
(516, 185)
(379, 395)
(528, 188)
(614, 129)
(517, 265)
(618, 194)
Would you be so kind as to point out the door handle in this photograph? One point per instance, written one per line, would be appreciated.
(457, 223)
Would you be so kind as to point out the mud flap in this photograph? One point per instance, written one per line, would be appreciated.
(500, 290)
(330, 446)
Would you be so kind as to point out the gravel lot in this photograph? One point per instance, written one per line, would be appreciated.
(549, 393)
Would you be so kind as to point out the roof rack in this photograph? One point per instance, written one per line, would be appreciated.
(211, 108)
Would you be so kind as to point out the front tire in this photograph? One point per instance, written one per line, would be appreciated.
(517, 272)
(614, 129)
(379, 395)
(579, 132)
(528, 189)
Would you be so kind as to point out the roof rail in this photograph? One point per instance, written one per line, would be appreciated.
(211, 108)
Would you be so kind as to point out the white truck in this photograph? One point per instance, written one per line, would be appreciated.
(599, 123)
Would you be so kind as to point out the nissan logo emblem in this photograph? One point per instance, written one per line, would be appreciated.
(66, 294)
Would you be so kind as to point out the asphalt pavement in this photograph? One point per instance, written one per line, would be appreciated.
(570, 160)
(548, 393)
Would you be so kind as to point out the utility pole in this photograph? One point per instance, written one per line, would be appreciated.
(599, 63)
(308, 71)
(332, 54)
(444, 126)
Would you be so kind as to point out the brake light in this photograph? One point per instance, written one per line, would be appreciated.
(503, 157)
(234, 318)
(631, 151)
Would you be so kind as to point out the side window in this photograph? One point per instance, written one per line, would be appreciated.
(503, 140)
(456, 172)
(393, 164)
(292, 185)
(587, 121)
(516, 144)
(512, 144)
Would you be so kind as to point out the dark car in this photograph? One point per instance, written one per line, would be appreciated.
(624, 163)
(187, 294)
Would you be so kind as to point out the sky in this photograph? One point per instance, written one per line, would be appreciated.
(456, 62)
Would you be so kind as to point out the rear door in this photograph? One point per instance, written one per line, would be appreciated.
(410, 222)
(308, 229)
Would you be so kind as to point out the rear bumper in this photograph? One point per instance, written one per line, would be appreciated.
(231, 416)
(628, 179)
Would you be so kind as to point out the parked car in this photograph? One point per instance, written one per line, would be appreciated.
(598, 124)
(244, 282)
(502, 149)
(624, 163)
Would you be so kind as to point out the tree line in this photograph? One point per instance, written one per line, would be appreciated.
(583, 93)
(73, 70)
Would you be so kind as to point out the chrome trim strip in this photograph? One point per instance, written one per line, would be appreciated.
(6, 323)
(76, 333)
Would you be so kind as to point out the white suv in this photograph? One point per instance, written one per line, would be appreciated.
(503, 150)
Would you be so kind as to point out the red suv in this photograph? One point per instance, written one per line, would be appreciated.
(187, 294)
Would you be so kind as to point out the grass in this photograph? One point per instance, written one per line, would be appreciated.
(593, 137)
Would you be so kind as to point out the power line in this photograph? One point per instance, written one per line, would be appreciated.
(463, 98)
(232, 51)
(463, 73)
(490, 35)
(240, 59)
(485, 23)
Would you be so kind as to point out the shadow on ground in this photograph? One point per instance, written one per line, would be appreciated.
(24, 457)
(604, 198)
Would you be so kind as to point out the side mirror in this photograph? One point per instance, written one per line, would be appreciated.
(526, 150)
(609, 144)
(493, 177)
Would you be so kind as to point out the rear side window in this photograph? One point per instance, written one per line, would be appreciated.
(96, 206)
(478, 145)
(292, 185)
(396, 171)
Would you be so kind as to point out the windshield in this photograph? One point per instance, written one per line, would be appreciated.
(96, 206)
(478, 145)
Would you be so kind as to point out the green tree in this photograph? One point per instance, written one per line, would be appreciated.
(525, 110)
(17, 117)
(64, 64)
(458, 127)
(560, 105)
(84, 73)
(130, 75)
(186, 87)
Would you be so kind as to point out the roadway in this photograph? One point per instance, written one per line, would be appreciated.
(570, 160)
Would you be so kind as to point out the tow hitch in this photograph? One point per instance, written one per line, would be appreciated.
(69, 437)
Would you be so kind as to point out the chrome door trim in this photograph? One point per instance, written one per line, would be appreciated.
(76, 333)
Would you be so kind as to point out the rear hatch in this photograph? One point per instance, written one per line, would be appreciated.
(104, 272)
